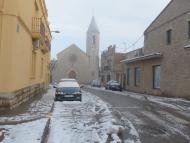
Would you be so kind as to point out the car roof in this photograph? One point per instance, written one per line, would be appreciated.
(68, 84)
(67, 79)
(113, 81)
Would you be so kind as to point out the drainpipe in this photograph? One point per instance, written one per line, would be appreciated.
(1, 24)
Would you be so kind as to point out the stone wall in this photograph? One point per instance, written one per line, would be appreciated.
(12, 100)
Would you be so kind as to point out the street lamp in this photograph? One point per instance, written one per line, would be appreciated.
(56, 31)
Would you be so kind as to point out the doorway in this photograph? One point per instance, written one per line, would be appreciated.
(72, 74)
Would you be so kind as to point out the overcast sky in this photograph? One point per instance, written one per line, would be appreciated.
(119, 21)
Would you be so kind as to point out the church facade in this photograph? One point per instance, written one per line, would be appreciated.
(72, 62)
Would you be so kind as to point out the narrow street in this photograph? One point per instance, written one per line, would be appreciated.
(102, 117)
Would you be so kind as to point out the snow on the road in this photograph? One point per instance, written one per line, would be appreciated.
(30, 132)
(83, 122)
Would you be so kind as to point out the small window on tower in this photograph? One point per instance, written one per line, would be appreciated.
(94, 39)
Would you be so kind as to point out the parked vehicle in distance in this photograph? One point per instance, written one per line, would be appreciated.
(96, 83)
(68, 91)
(113, 85)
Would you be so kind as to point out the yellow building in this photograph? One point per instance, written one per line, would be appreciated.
(25, 47)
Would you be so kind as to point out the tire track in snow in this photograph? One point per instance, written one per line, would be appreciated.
(167, 125)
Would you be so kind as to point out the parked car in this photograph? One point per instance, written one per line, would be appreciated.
(113, 85)
(96, 83)
(68, 91)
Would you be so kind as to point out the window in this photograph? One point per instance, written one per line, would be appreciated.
(108, 78)
(94, 39)
(189, 29)
(128, 76)
(169, 37)
(156, 77)
(137, 76)
(117, 77)
(18, 28)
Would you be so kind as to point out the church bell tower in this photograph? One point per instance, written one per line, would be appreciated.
(92, 47)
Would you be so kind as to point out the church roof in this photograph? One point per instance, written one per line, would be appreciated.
(93, 26)
(72, 47)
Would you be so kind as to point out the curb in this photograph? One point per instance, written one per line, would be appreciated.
(46, 132)
(1, 136)
(46, 129)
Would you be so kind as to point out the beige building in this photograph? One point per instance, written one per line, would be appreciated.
(74, 63)
(111, 66)
(24, 50)
(163, 68)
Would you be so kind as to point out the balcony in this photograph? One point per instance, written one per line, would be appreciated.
(46, 46)
(38, 28)
(39, 35)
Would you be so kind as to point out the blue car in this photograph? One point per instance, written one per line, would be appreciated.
(113, 85)
(68, 91)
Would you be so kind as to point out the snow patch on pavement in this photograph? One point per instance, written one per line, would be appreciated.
(30, 132)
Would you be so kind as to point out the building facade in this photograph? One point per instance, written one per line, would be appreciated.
(164, 68)
(111, 66)
(24, 50)
(72, 62)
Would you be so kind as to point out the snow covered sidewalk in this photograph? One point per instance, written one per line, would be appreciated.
(30, 132)
(37, 108)
(26, 124)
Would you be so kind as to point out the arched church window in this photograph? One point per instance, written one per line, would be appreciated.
(94, 39)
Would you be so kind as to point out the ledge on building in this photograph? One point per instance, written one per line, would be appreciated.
(142, 58)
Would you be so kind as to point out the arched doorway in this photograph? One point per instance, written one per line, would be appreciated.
(72, 74)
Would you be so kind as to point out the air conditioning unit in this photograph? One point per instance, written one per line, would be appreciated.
(36, 44)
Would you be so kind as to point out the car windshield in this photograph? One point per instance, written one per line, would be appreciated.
(114, 83)
(68, 90)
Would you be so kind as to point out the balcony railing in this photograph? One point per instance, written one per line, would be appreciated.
(38, 28)
(39, 33)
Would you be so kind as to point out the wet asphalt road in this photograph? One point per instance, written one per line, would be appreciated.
(154, 123)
